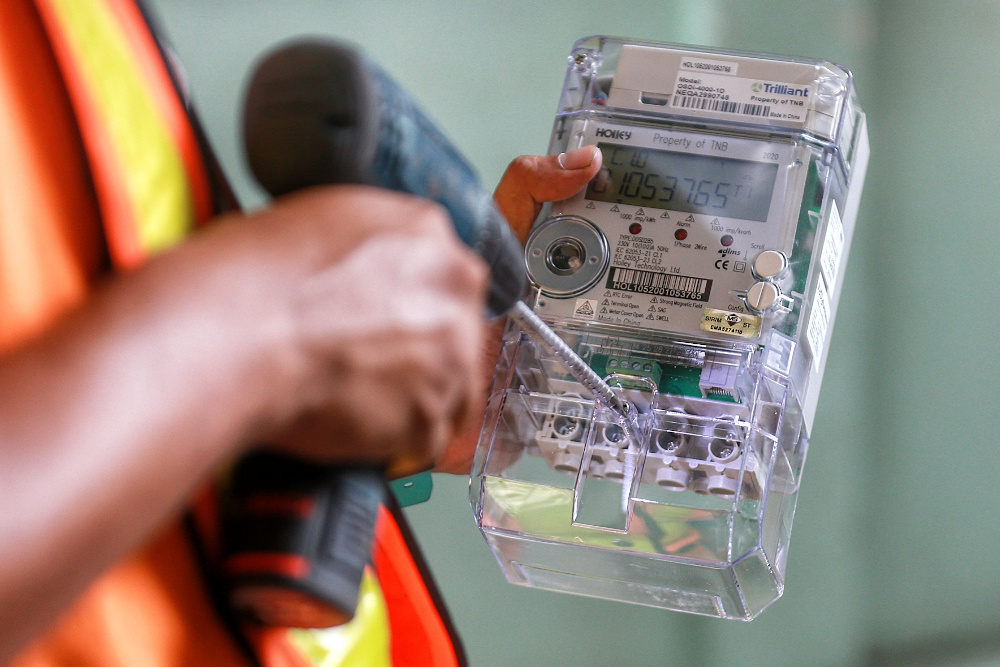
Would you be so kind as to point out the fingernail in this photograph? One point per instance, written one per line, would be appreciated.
(578, 158)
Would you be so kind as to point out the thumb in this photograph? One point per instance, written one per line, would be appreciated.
(531, 180)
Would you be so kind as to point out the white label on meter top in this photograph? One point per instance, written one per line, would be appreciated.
(742, 97)
(819, 322)
(833, 247)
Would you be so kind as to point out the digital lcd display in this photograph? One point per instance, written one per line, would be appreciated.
(684, 182)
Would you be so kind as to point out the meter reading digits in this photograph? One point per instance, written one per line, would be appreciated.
(698, 273)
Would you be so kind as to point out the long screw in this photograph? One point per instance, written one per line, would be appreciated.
(578, 368)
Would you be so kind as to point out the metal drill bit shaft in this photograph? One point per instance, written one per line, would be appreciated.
(578, 368)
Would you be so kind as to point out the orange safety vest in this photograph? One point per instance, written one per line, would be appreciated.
(99, 142)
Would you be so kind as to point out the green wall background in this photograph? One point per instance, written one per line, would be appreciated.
(894, 551)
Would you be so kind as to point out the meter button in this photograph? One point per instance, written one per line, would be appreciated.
(762, 296)
(566, 256)
(769, 264)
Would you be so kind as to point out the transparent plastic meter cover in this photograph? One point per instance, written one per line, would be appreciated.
(699, 273)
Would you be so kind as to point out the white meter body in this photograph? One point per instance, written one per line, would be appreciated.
(699, 273)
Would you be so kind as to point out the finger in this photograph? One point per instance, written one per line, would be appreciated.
(531, 180)
(458, 457)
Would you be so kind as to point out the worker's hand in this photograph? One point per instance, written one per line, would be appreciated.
(367, 313)
(384, 330)
(529, 181)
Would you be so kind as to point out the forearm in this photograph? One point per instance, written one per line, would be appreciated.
(106, 425)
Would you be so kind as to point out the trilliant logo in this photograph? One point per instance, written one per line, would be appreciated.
(778, 89)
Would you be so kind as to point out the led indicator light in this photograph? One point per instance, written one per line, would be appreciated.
(634, 228)
(681, 234)
(727, 240)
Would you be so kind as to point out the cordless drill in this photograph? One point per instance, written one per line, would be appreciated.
(297, 536)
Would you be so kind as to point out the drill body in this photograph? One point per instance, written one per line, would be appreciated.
(298, 536)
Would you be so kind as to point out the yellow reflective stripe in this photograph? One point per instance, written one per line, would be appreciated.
(151, 165)
(362, 642)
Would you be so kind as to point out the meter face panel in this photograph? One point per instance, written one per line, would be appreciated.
(683, 215)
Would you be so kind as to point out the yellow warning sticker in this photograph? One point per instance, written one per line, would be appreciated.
(730, 323)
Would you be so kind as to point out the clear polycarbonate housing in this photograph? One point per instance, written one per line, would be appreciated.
(699, 274)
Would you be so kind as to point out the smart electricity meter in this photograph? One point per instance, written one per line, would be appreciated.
(699, 274)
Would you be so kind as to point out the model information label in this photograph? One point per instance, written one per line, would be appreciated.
(658, 284)
(771, 100)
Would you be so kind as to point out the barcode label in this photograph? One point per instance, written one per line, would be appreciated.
(708, 104)
(660, 284)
